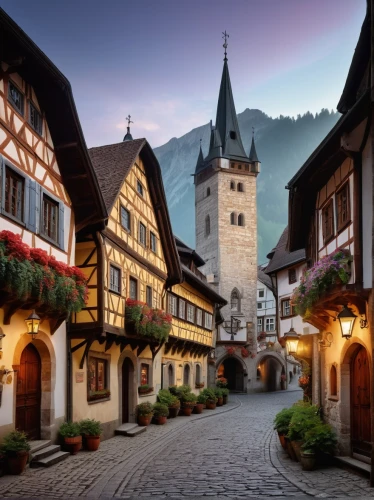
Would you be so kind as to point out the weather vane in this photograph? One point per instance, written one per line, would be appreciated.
(253, 131)
(225, 37)
(128, 118)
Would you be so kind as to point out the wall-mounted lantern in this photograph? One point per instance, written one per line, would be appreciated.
(347, 320)
(292, 341)
(32, 323)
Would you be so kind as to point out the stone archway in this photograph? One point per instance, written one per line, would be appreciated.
(45, 350)
(270, 366)
(233, 369)
(355, 396)
(127, 386)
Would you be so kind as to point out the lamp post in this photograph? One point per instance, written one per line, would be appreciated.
(32, 324)
(347, 320)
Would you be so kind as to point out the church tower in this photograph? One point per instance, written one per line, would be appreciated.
(226, 237)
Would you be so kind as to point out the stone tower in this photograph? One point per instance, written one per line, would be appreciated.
(226, 238)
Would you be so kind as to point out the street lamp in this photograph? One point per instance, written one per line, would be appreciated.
(347, 320)
(32, 323)
(292, 340)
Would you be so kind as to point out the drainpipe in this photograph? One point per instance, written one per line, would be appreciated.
(162, 374)
(68, 377)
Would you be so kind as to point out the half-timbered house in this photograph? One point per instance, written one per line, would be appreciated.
(331, 215)
(48, 192)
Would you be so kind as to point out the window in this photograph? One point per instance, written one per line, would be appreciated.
(292, 276)
(260, 325)
(133, 289)
(144, 374)
(199, 317)
(207, 225)
(232, 134)
(261, 293)
(286, 308)
(50, 210)
(232, 186)
(240, 187)
(343, 215)
(115, 279)
(208, 321)
(125, 219)
(98, 379)
(142, 234)
(190, 313)
(182, 309)
(186, 375)
(172, 305)
(139, 188)
(260, 305)
(35, 119)
(170, 375)
(270, 324)
(232, 165)
(208, 191)
(14, 193)
(198, 374)
(16, 98)
(233, 219)
(235, 300)
(149, 297)
(241, 220)
(328, 221)
(153, 242)
(239, 167)
(333, 381)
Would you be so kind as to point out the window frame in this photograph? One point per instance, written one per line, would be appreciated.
(291, 308)
(260, 321)
(149, 295)
(122, 208)
(272, 320)
(39, 114)
(132, 279)
(199, 312)
(99, 358)
(147, 371)
(328, 236)
(153, 242)
(261, 291)
(139, 188)
(241, 220)
(61, 222)
(117, 268)
(292, 279)
(20, 111)
(190, 307)
(7, 166)
(172, 298)
(141, 226)
(210, 321)
(340, 225)
(259, 304)
(182, 304)
(51, 201)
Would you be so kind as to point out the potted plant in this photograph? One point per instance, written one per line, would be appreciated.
(199, 385)
(15, 450)
(225, 395)
(319, 440)
(281, 423)
(160, 413)
(211, 399)
(165, 397)
(221, 382)
(219, 396)
(145, 389)
(303, 419)
(188, 403)
(200, 403)
(144, 413)
(71, 433)
(91, 432)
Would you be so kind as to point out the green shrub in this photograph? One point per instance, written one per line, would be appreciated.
(160, 410)
(201, 398)
(90, 427)
(166, 398)
(320, 439)
(144, 409)
(70, 429)
(189, 398)
(218, 392)
(303, 419)
(282, 420)
(14, 442)
(173, 390)
(225, 391)
(210, 394)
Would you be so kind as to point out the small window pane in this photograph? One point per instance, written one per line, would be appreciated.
(142, 233)
(208, 321)
(133, 289)
(259, 325)
(261, 294)
(199, 317)
(115, 279)
(125, 218)
(14, 193)
(292, 276)
(270, 324)
(182, 309)
(35, 119)
(153, 243)
(172, 309)
(16, 98)
(149, 296)
(50, 218)
(190, 313)
(139, 188)
(259, 305)
(98, 379)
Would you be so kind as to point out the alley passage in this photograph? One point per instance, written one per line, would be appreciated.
(228, 454)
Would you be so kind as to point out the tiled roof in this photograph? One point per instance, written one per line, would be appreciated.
(264, 278)
(112, 163)
(282, 258)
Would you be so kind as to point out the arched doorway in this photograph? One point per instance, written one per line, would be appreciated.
(127, 389)
(360, 403)
(28, 393)
(233, 372)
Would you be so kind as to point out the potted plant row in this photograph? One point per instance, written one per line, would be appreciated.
(15, 450)
(87, 431)
(165, 397)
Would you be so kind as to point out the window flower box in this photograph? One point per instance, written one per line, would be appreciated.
(316, 282)
(32, 277)
(199, 385)
(97, 395)
(147, 321)
(145, 389)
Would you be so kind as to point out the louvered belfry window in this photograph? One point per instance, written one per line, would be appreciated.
(328, 221)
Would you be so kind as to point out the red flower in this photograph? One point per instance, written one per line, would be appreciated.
(39, 256)
(245, 352)
(15, 248)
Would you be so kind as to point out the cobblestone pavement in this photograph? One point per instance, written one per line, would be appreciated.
(231, 452)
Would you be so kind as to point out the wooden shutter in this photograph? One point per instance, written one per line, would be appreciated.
(61, 225)
(26, 203)
(32, 217)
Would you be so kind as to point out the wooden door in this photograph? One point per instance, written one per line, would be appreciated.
(127, 389)
(360, 404)
(28, 395)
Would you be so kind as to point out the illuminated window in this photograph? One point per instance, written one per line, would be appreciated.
(144, 374)
(333, 381)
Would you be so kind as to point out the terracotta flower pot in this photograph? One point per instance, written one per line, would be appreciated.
(17, 463)
(144, 420)
(220, 401)
(282, 439)
(73, 444)
(290, 450)
(210, 405)
(308, 461)
(160, 420)
(225, 400)
(173, 411)
(198, 408)
(92, 443)
(296, 445)
(187, 410)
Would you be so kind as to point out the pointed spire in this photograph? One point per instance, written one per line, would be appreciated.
(128, 136)
(253, 153)
(200, 160)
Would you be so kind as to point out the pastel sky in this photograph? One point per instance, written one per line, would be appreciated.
(161, 60)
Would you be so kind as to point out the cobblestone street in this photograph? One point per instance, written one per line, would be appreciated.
(232, 452)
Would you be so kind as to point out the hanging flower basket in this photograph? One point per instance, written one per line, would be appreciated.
(32, 276)
(147, 321)
(328, 272)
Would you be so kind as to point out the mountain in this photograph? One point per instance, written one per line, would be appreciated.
(283, 144)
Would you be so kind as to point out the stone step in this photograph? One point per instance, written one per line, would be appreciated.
(354, 464)
(130, 430)
(50, 460)
(39, 444)
(45, 452)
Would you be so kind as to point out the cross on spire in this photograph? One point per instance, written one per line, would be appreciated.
(225, 37)
(128, 118)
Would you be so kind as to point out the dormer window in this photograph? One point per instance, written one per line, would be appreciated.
(232, 134)
(16, 98)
